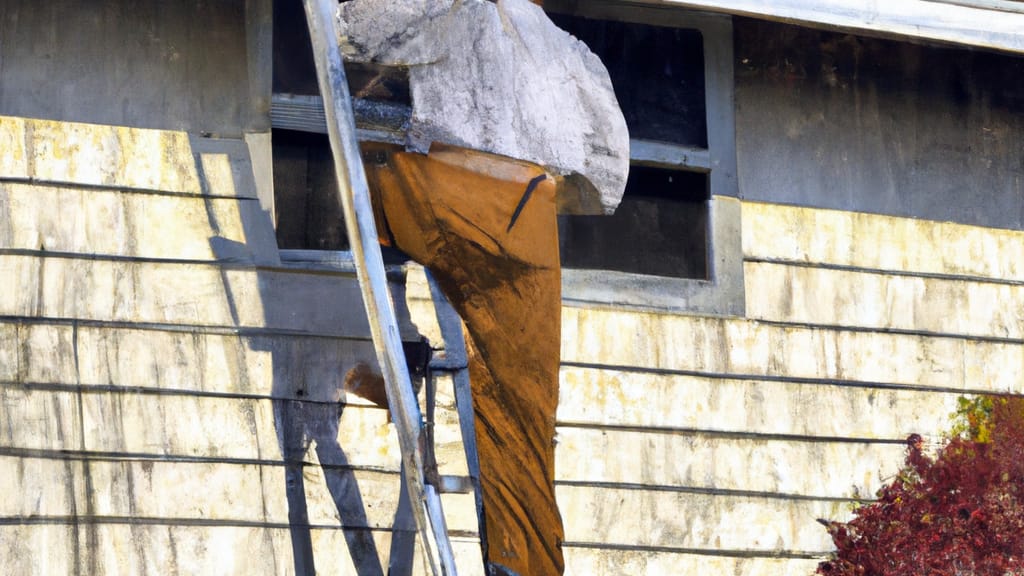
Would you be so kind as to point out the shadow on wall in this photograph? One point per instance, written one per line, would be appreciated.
(316, 334)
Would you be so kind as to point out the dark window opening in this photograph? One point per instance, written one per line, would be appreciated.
(309, 216)
(657, 73)
(295, 72)
(306, 205)
(659, 229)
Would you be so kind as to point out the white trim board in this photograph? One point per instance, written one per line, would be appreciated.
(934, 20)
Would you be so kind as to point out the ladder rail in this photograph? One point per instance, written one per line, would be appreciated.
(456, 362)
(362, 234)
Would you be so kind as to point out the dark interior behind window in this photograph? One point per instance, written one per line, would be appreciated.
(295, 72)
(660, 229)
(657, 72)
(309, 216)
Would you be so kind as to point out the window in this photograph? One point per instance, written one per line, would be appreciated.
(308, 215)
(659, 229)
(674, 242)
(309, 220)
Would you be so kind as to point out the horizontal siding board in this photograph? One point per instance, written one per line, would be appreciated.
(176, 549)
(696, 521)
(591, 561)
(791, 233)
(594, 398)
(121, 157)
(14, 160)
(133, 426)
(781, 468)
(751, 348)
(119, 223)
(799, 294)
(195, 395)
(103, 155)
(182, 294)
(45, 353)
(40, 487)
(39, 420)
(159, 550)
(50, 549)
(200, 492)
(138, 426)
(10, 351)
(280, 366)
(180, 426)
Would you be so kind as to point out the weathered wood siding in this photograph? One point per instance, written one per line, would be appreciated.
(695, 444)
(173, 65)
(159, 366)
(169, 391)
(832, 120)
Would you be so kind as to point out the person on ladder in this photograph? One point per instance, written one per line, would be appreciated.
(502, 139)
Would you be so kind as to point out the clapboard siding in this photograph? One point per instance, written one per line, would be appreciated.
(38, 420)
(182, 359)
(186, 294)
(725, 523)
(663, 461)
(593, 397)
(113, 546)
(114, 222)
(727, 437)
(157, 364)
(877, 242)
(150, 424)
(795, 412)
(208, 491)
(729, 346)
(805, 294)
(588, 561)
(170, 162)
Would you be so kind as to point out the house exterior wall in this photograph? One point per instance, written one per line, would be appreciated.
(881, 235)
(833, 120)
(169, 388)
(170, 65)
(162, 374)
(690, 442)
(143, 377)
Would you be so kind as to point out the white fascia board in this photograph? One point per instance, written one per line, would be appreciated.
(925, 19)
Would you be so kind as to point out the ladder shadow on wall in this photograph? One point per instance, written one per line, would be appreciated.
(325, 338)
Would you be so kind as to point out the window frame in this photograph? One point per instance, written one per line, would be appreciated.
(722, 293)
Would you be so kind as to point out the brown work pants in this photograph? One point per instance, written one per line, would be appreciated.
(486, 228)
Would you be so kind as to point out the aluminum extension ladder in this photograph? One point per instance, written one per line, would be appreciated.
(422, 483)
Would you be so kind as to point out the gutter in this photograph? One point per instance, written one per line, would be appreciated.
(987, 24)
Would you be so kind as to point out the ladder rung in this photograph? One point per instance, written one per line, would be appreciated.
(449, 484)
(442, 363)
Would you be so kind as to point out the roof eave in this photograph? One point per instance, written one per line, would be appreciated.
(988, 24)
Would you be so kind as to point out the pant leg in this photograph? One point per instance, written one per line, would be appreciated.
(486, 228)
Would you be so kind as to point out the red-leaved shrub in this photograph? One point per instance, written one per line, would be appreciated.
(961, 513)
